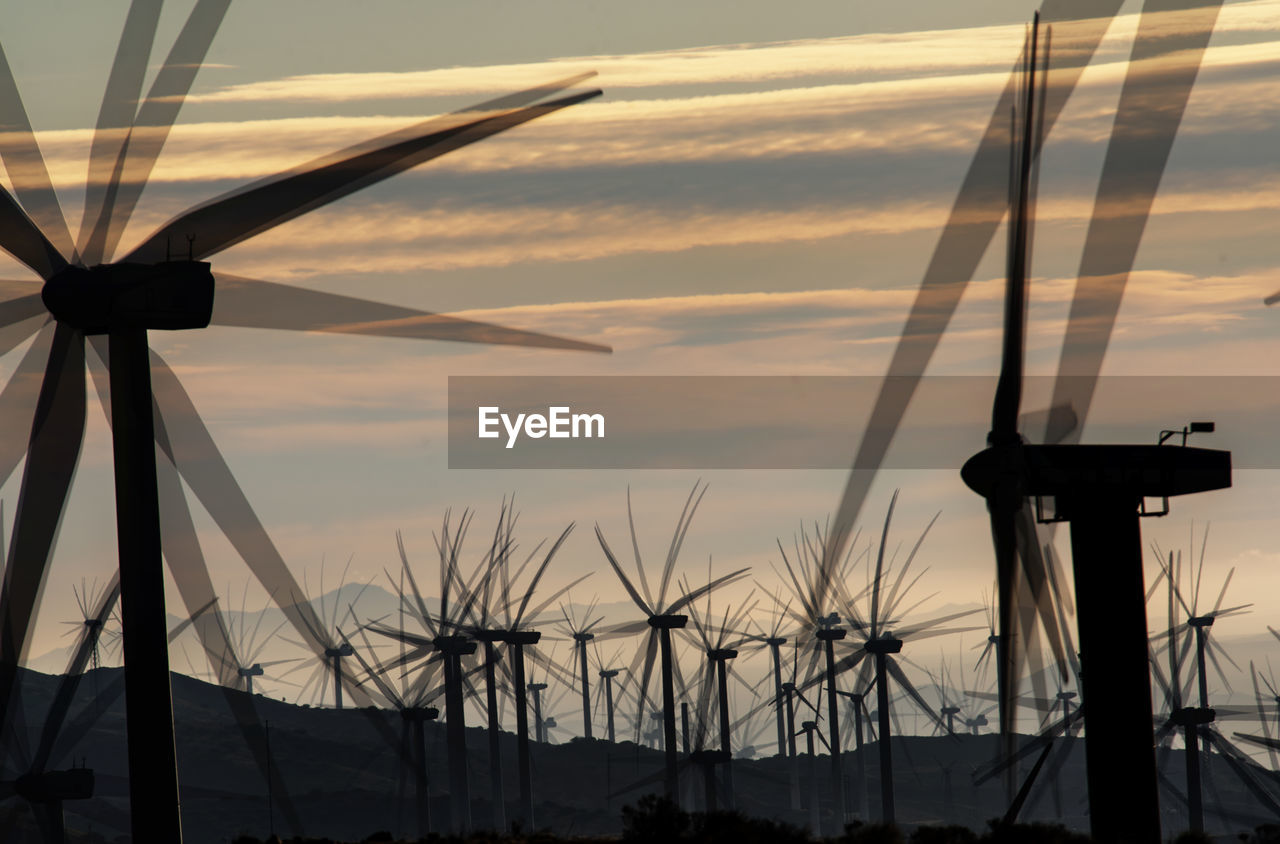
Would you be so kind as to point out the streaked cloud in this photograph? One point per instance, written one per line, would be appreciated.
(934, 52)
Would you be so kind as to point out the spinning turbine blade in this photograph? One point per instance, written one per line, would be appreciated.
(179, 543)
(19, 398)
(978, 210)
(70, 680)
(149, 131)
(242, 214)
(26, 167)
(21, 239)
(115, 116)
(53, 451)
(1170, 44)
(250, 303)
(194, 453)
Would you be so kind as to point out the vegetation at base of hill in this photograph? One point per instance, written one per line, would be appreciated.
(654, 820)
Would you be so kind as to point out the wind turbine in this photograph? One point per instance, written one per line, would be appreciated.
(720, 641)
(609, 671)
(491, 605)
(1099, 490)
(247, 643)
(816, 585)
(88, 599)
(328, 615)
(114, 303)
(1167, 51)
(880, 632)
(412, 699)
(1196, 721)
(661, 618)
(579, 628)
(774, 640)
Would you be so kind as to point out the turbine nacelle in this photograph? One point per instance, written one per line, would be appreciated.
(668, 622)
(171, 295)
(254, 670)
(453, 645)
(522, 637)
(709, 757)
(419, 714)
(55, 786)
(885, 645)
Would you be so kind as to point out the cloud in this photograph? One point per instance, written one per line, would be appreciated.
(933, 52)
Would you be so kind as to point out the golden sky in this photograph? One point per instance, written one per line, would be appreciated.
(764, 202)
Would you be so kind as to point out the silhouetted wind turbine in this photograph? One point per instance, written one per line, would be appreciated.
(815, 585)
(774, 640)
(1195, 721)
(1167, 51)
(88, 599)
(115, 304)
(1098, 489)
(516, 614)
(411, 699)
(1267, 713)
(609, 671)
(719, 639)
(327, 611)
(247, 643)
(880, 633)
(579, 628)
(662, 618)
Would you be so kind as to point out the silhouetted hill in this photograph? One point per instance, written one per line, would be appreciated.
(342, 778)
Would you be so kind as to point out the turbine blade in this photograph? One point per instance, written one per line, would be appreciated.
(631, 590)
(57, 433)
(19, 398)
(250, 303)
(27, 172)
(115, 116)
(21, 239)
(70, 679)
(242, 214)
(1166, 57)
(142, 144)
(24, 304)
(180, 544)
(975, 216)
(192, 450)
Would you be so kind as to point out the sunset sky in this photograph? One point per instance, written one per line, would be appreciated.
(757, 192)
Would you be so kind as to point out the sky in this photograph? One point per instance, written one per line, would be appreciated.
(757, 192)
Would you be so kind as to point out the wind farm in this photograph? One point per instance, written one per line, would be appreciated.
(930, 486)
